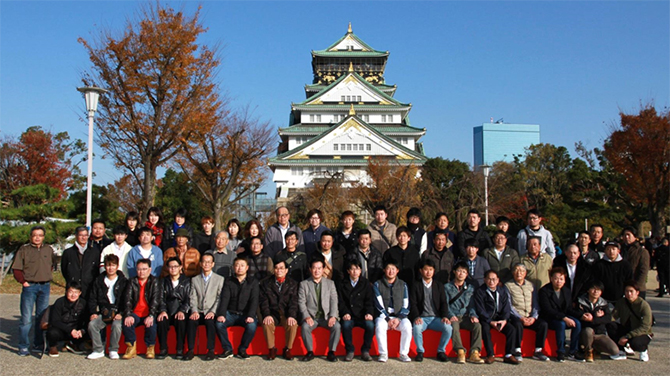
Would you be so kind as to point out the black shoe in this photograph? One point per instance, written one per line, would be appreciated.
(189, 355)
(560, 357)
(180, 354)
(331, 356)
(242, 354)
(210, 355)
(442, 357)
(226, 354)
(162, 354)
(308, 357)
(419, 357)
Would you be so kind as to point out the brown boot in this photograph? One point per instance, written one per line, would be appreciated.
(272, 354)
(287, 354)
(475, 357)
(588, 355)
(151, 352)
(131, 351)
(460, 356)
(490, 359)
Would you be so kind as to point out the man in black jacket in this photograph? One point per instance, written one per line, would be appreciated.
(577, 268)
(429, 310)
(406, 254)
(175, 304)
(237, 307)
(142, 300)
(278, 300)
(80, 263)
(295, 259)
(493, 309)
(442, 258)
(67, 319)
(355, 303)
(556, 308)
(369, 257)
(613, 271)
(106, 308)
(473, 230)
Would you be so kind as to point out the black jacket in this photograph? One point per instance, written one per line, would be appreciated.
(408, 260)
(68, 316)
(175, 299)
(168, 236)
(203, 242)
(417, 299)
(480, 235)
(338, 261)
(83, 273)
(598, 324)
(355, 301)
(296, 262)
(582, 275)
(444, 262)
(485, 305)
(98, 299)
(239, 298)
(152, 293)
(375, 265)
(555, 308)
(613, 275)
(273, 302)
(349, 244)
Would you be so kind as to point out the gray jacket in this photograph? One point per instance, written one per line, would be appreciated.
(205, 299)
(307, 299)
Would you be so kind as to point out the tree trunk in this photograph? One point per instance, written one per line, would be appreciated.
(149, 191)
(656, 220)
(218, 216)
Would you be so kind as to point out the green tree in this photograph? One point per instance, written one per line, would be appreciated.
(103, 207)
(176, 191)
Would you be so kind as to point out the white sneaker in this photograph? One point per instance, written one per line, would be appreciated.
(628, 350)
(404, 358)
(620, 356)
(113, 355)
(383, 358)
(96, 355)
(644, 356)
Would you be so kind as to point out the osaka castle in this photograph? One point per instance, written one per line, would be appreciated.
(350, 115)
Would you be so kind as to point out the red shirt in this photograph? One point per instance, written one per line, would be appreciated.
(142, 308)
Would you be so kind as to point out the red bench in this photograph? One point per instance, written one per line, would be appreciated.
(431, 338)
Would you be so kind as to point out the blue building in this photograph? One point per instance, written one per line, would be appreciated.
(500, 141)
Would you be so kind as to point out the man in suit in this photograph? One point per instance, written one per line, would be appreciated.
(579, 271)
(205, 292)
(317, 302)
(80, 263)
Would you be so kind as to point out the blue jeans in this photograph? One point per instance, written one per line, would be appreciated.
(559, 327)
(347, 329)
(432, 323)
(236, 320)
(149, 331)
(37, 296)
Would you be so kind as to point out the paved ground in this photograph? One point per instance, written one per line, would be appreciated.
(71, 364)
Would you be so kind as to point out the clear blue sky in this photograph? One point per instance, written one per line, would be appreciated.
(568, 66)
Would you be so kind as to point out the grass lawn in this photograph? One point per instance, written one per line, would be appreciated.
(10, 286)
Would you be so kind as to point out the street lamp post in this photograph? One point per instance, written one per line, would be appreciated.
(91, 94)
(486, 169)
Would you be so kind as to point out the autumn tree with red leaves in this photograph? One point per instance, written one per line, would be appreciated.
(160, 91)
(639, 150)
(39, 157)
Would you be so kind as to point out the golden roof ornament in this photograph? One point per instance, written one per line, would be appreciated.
(352, 112)
(349, 29)
(351, 66)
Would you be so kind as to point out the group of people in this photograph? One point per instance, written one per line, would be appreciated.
(379, 278)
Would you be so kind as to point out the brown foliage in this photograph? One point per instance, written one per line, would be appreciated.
(123, 191)
(160, 90)
(639, 149)
(326, 194)
(389, 184)
(228, 162)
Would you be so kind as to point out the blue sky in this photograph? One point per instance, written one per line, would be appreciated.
(568, 66)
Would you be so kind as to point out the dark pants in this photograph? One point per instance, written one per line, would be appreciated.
(236, 320)
(55, 335)
(510, 338)
(559, 327)
(192, 329)
(347, 329)
(149, 331)
(164, 328)
(539, 326)
(616, 331)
